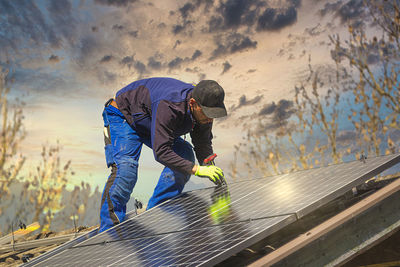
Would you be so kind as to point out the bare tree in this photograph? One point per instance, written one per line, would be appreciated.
(376, 64)
(48, 183)
(369, 85)
(39, 195)
(11, 135)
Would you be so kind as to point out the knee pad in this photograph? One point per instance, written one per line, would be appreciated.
(109, 155)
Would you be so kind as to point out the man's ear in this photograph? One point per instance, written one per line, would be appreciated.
(192, 102)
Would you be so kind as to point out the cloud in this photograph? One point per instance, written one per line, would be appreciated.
(140, 67)
(28, 27)
(185, 12)
(233, 22)
(314, 31)
(178, 42)
(290, 49)
(346, 136)
(130, 62)
(194, 70)
(117, 27)
(233, 14)
(42, 82)
(178, 28)
(330, 7)
(90, 50)
(133, 34)
(196, 54)
(233, 43)
(373, 51)
(273, 116)
(154, 64)
(162, 25)
(54, 59)
(106, 58)
(281, 111)
(127, 61)
(106, 77)
(243, 101)
(267, 109)
(187, 9)
(175, 63)
(20, 19)
(227, 66)
(338, 55)
(86, 49)
(352, 11)
(240, 43)
(60, 12)
(274, 19)
(119, 3)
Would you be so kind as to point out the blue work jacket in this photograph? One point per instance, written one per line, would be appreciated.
(158, 108)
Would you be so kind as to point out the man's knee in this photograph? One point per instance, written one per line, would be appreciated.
(125, 180)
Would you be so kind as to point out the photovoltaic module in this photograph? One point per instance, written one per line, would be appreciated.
(205, 227)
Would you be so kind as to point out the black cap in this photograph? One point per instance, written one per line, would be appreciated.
(210, 96)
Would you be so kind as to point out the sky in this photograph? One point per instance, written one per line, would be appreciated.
(68, 57)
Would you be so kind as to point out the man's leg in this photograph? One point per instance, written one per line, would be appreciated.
(122, 150)
(171, 183)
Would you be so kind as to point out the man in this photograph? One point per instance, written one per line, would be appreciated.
(156, 112)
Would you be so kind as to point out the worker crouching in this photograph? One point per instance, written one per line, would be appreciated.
(156, 112)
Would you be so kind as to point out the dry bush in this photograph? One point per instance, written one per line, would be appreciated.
(11, 136)
(48, 183)
(369, 84)
(306, 140)
(37, 197)
(375, 61)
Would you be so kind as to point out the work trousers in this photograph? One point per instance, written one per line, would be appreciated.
(122, 148)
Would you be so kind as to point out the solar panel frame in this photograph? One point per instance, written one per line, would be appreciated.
(159, 222)
(242, 195)
(147, 251)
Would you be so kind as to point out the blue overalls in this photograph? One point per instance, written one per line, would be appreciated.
(122, 148)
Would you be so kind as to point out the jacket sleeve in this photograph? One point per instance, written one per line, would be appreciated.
(201, 139)
(165, 120)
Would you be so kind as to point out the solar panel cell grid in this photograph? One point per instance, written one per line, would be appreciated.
(199, 247)
(206, 226)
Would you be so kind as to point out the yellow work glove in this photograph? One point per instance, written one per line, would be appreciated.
(211, 172)
(220, 209)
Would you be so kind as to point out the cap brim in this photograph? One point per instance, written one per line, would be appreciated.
(214, 112)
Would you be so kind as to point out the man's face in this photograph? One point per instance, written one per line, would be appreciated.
(198, 113)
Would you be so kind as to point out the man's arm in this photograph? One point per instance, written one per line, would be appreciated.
(201, 139)
(165, 119)
(194, 169)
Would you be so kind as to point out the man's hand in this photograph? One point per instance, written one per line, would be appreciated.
(211, 172)
(220, 209)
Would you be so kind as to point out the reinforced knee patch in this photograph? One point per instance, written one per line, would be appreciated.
(125, 179)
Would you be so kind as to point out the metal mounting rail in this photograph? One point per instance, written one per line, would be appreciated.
(62, 247)
(38, 243)
(385, 203)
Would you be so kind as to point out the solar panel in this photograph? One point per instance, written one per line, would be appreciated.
(188, 231)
